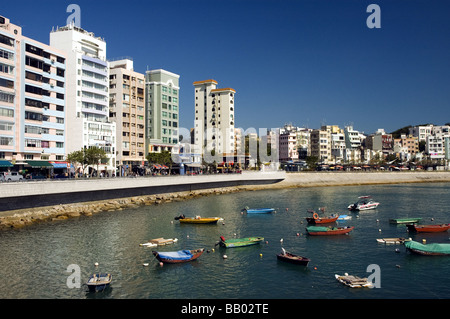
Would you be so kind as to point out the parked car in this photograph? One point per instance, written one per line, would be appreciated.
(13, 177)
(35, 176)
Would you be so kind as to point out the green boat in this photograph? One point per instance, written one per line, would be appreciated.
(239, 242)
(405, 220)
(428, 249)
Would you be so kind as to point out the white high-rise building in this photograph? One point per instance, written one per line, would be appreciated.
(214, 119)
(87, 92)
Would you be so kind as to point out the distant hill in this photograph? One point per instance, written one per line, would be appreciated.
(400, 131)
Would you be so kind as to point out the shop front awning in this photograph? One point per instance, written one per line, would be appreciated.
(60, 164)
(39, 164)
(6, 164)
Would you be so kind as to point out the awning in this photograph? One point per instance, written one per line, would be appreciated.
(6, 164)
(194, 165)
(39, 164)
(59, 164)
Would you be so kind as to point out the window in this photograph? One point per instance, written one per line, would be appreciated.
(8, 69)
(7, 83)
(6, 141)
(4, 126)
(6, 40)
(6, 112)
(60, 144)
(6, 97)
(6, 55)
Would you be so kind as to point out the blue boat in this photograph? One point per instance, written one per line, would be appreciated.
(181, 256)
(259, 210)
(99, 282)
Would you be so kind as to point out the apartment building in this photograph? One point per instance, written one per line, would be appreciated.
(32, 100)
(127, 110)
(421, 131)
(321, 145)
(162, 90)
(214, 119)
(87, 92)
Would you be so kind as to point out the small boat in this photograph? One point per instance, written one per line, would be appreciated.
(404, 220)
(293, 259)
(197, 220)
(99, 282)
(159, 242)
(175, 257)
(344, 217)
(364, 203)
(428, 228)
(259, 210)
(398, 240)
(316, 219)
(354, 281)
(239, 242)
(325, 231)
(428, 249)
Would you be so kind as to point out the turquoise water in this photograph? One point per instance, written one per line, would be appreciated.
(34, 260)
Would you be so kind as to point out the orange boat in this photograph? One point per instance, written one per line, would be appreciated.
(321, 220)
(429, 228)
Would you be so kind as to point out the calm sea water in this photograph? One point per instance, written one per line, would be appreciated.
(34, 260)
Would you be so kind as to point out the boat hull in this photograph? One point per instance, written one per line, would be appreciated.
(320, 220)
(428, 249)
(392, 240)
(293, 259)
(353, 281)
(429, 228)
(195, 254)
(331, 232)
(199, 220)
(404, 220)
(240, 242)
(260, 211)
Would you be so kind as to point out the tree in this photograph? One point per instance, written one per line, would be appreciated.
(163, 158)
(87, 156)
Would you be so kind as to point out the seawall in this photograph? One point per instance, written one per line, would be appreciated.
(89, 197)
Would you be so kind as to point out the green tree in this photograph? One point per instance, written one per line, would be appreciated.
(87, 156)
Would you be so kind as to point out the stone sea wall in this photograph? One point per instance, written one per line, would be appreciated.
(24, 217)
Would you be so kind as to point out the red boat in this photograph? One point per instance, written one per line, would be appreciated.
(321, 220)
(326, 231)
(428, 228)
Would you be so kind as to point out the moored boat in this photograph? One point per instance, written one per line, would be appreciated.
(159, 242)
(428, 228)
(364, 203)
(354, 281)
(258, 210)
(434, 249)
(316, 219)
(181, 256)
(326, 231)
(398, 240)
(197, 220)
(293, 259)
(239, 242)
(99, 282)
(411, 220)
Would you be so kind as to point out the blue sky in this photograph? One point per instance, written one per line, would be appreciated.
(305, 62)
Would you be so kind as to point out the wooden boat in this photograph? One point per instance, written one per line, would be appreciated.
(404, 220)
(326, 231)
(293, 259)
(198, 220)
(181, 256)
(354, 281)
(428, 228)
(398, 240)
(428, 249)
(159, 242)
(99, 282)
(239, 242)
(259, 210)
(321, 220)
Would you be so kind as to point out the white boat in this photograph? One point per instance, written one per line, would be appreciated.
(364, 203)
(159, 242)
(354, 281)
(392, 240)
(344, 217)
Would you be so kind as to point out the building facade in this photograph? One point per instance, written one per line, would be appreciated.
(87, 93)
(162, 90)
(32, 98)
(214, 119)
(127, 110)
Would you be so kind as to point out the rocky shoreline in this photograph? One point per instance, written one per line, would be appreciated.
(25, 217)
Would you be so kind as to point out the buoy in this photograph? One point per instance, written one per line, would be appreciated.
(378, 220)
(379, 230)
(145, 264)
(267, 242)
(298, 234)
(96, 264)
(213, 250)
(287, 209)
(432, 218)
(161, 264)
(260, 255)
(397, 250)
(398, 266)
(424, 241)
(281, 240)
(315, 268)
(225, 256)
